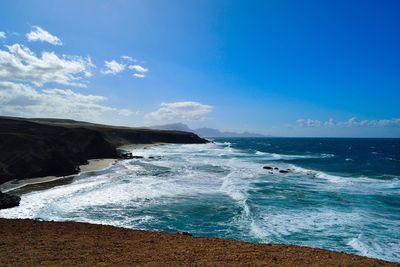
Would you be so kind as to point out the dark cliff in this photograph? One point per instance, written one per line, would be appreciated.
(41, 147)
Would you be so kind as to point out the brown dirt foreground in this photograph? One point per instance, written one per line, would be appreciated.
(33, 243)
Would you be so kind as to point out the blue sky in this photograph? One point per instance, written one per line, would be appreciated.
(288, 68)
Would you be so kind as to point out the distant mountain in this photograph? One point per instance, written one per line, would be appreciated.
(210, 132)
(205, 132)
(173, 127)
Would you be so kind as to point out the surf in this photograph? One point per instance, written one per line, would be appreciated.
(221, 189)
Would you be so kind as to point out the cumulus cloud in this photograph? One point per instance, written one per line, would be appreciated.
(19, 63)
(113, 67)
(139, 71)
(352, 122)
(18, 99)
(139, 75)
(2, 35)
(180, 111)
(128, 58)
(39, 35)
(28, 81)
(138, 68)
(309, 123)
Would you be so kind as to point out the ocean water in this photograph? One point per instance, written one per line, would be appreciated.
(339, 194)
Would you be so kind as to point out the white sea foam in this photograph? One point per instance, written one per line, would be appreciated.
(179, 172)
(370, 247)
(33, 203)
(258, 232)
(276, 156)
(276, 225)
(359, 180)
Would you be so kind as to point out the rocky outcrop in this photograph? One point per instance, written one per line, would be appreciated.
(271, 169)
(35, 148)
(8, 201)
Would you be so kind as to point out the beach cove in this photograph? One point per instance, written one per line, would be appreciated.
(235, 189)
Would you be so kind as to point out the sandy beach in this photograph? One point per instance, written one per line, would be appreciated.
(34, 243)
(30, 184)
(93, 165)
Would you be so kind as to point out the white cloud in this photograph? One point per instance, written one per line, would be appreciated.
(25, 79)
(140, 71)
(179, 111)
(23, 100)
(128, 58)
(139, 75)
(138, 68)
(19, 63)
(2, 35)
(38, 34)
(352, 122)
(113, 67)
(330, 123)
(309, 123)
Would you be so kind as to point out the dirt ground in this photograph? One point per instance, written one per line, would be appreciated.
(33, 243)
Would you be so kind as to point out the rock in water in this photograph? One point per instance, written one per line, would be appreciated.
(267, 168)
(8, 201)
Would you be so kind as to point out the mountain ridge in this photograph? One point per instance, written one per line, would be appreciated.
(205, 131)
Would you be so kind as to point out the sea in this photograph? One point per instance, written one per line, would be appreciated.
(338, 194)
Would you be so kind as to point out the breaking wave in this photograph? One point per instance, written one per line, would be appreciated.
(218, 189)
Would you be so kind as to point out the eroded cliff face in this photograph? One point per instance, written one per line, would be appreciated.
(34, 150)
(30, 149)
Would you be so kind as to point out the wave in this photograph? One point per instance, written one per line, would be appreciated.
(369, 247)
(281, 226)
(234, 188)
(303, 207)
(276, 156)
(387, 182)
(277, 225)
(258, 232)
(392, 159)
(33, 203)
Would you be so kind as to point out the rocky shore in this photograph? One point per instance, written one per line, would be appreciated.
(33, 148)
(49, 147)
(8, 201)
(34, 243)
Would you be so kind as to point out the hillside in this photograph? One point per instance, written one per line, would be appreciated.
(41, 147)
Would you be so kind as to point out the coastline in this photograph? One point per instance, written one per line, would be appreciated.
(92, 166)
(132, 147)
(33, 243)
(49, 147)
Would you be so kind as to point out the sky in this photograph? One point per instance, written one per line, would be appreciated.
(283, 68)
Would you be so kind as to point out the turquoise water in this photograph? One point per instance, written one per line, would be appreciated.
(339, 194)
